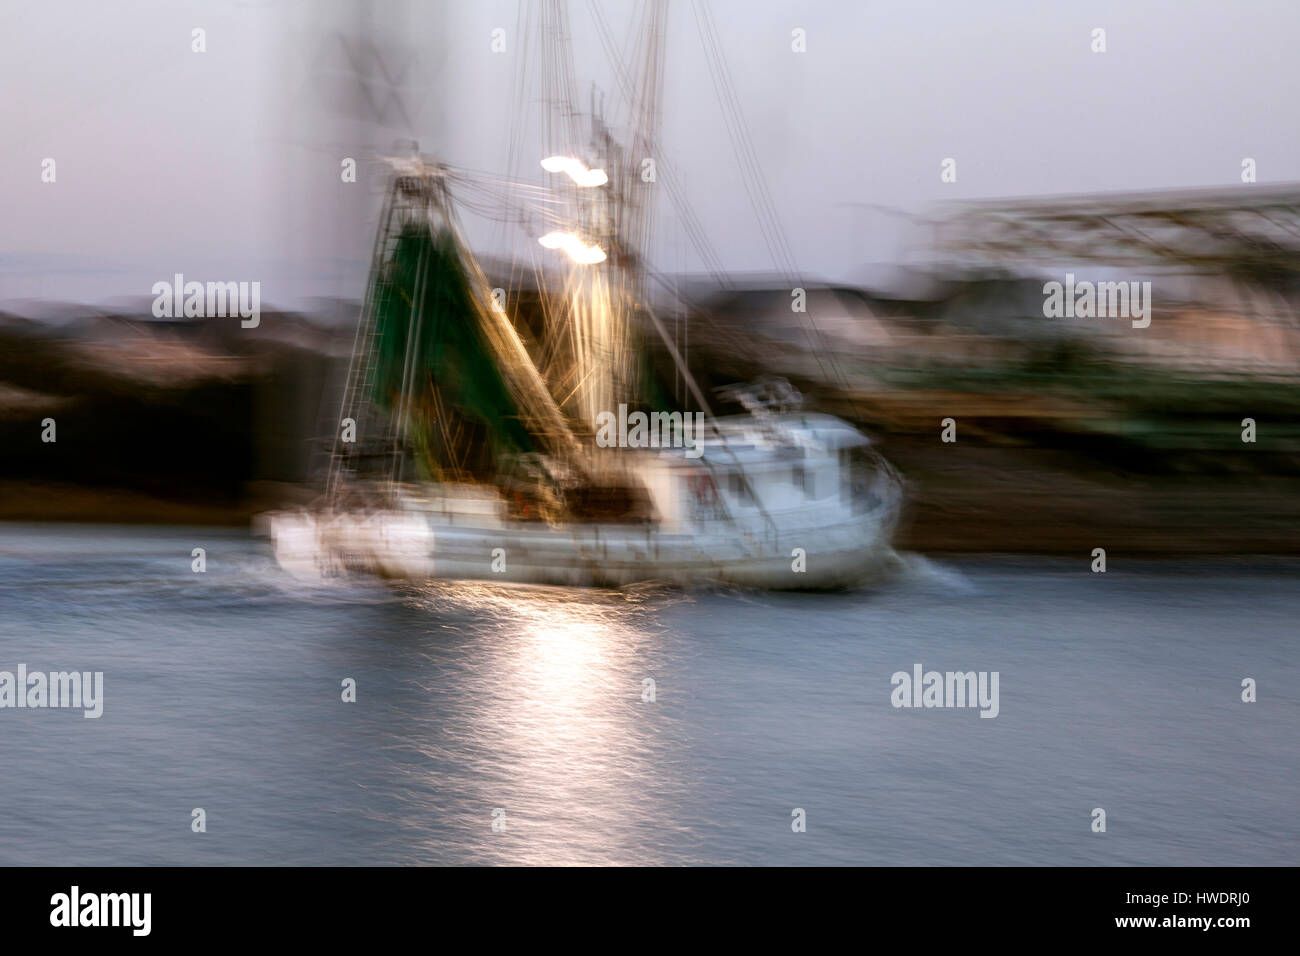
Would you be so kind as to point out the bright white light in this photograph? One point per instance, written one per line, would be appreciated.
(578, 250)
(576, 169)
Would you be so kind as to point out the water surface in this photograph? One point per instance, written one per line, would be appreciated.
(223, 691)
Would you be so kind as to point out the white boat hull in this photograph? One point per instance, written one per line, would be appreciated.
(415, 547)
(776, 503)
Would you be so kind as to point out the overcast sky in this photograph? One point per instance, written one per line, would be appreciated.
(225, 165)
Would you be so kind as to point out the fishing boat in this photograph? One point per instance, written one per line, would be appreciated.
(525, 435)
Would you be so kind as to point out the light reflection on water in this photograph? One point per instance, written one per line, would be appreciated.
(222, 691)
(558, 735)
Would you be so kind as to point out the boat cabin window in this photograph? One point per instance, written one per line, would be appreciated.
(739, 488)
(857, 479)
(800, 477)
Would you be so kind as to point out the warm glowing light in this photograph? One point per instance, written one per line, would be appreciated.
(576, 169)
(578, 250)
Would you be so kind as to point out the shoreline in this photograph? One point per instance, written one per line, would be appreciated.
(943, 516)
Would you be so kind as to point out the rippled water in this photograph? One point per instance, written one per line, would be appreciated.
(222, 691)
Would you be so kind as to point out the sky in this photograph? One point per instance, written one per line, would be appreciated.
(225, 164)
